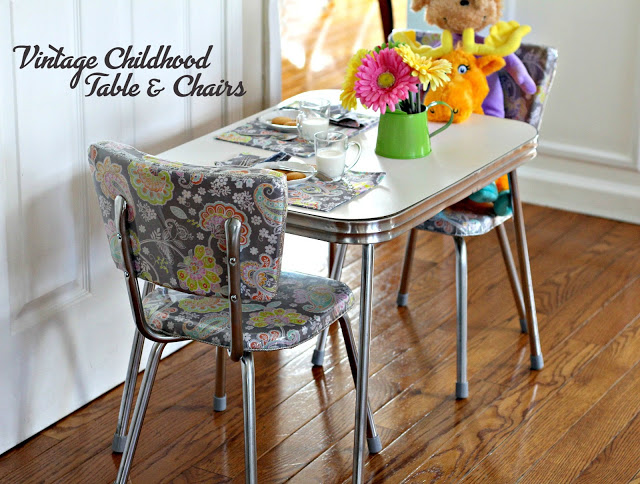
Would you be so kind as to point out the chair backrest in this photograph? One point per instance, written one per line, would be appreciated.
(540, 62)
(176, 220)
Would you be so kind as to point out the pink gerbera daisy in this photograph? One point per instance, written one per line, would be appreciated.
(384, 80)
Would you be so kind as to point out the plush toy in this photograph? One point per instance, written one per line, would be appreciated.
(460, 20)
(467, 88)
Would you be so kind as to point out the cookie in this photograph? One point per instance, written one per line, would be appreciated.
(292, 175)
(283, 120)
(295, 175)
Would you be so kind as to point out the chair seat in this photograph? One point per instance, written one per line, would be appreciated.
(464, 220)
(303, 306)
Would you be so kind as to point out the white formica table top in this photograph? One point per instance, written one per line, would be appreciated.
(465, 157)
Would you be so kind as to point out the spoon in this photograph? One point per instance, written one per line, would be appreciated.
(289, 168)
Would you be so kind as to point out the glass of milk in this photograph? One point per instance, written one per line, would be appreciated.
(313, 117)
(331, 154)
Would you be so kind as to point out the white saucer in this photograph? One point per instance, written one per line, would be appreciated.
(294, 165)
(289, 113)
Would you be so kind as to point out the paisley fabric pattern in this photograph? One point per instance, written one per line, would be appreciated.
(303, 306)
(463, 222)
(176, 216)
(541, 63)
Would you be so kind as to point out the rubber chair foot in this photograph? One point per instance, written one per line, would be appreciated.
(119, 441)
(318, 358)
(462, 390)
(403, 300)
(219, 403)
(537, 362)
(375, 445)
(523, 326)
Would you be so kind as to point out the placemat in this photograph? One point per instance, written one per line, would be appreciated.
(313, 193)
(245, 134)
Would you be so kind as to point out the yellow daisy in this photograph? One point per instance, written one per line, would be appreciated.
(348, 95)
(429, 71)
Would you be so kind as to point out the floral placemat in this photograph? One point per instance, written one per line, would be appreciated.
(327, 195)
(246, 134)
(314, 193)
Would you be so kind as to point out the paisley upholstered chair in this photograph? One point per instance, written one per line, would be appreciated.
(208, 242)
(460, 221)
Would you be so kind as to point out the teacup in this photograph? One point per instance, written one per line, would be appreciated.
(331, 154)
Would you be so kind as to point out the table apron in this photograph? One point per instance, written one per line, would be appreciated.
(374, 231)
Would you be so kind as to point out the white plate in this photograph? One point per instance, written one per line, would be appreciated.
(289, 113)
(294, 165)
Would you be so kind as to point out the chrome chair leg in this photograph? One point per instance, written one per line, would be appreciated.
(139, 411)
(403, 292)
(373, 439)
(249, 407)
(537, 361)
(514, 280)
(220, 396)
(462, 386)
(120, 437)
(336, 256)
(318, 354)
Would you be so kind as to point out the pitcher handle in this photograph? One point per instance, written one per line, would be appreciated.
(440, 130)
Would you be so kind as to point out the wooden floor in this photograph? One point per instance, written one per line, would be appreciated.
(578, 420)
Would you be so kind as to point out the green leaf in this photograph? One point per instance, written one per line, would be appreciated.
(178, 212)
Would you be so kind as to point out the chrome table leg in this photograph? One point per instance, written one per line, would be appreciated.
(537, 362)
(249, 407)
(373, 439)
(362, 383)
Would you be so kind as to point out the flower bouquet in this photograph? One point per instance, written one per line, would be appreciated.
(391, 79)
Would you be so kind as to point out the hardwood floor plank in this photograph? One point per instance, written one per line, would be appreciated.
(619, 461)
(193, 475)
(24, 453)
(490, 423)
(591, 295)
(516, 454)
(582, 443)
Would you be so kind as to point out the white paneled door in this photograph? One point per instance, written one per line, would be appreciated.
(65, 324)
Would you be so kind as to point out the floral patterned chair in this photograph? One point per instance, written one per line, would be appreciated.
(208, 241)
(460, 220)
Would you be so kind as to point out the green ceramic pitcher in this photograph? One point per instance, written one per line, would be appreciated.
(406, 136)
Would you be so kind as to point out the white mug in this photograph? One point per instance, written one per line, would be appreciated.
(331, 153)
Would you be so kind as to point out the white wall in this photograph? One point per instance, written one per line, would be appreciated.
(65, 323)
(589, 157)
